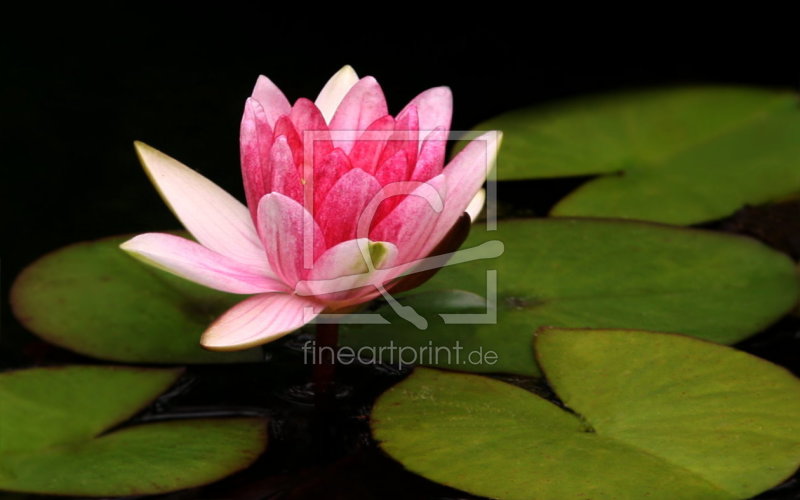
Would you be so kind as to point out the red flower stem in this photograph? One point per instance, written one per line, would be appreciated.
(324, 369)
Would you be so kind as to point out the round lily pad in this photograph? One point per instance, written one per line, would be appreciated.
(57, 439)
(93, 298)
(645, 415)
(678, 155)
(583, 273)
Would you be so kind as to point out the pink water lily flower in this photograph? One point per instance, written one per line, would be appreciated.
(342, 199)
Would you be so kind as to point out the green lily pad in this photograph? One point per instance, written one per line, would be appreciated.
(93, 298)
(586, 273)
(55, 435)
(649, 415)
(676, 155)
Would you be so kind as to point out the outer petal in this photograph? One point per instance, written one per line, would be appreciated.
(258, 320)
(465, 175)
(343, 274)
(195, 262)
(215, 218)
(292, 239)
(410, 225)
(362, 105)
(271, 99)
(435, 109)
(431, 156)
(344, 204)
(255, 139)
(334, 91)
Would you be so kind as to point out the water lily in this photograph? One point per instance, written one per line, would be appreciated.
(342, 199)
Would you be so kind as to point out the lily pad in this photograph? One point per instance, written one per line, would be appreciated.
(678, 155)
(583, 273)
(93, 298)
(56, 436)
(647, 415)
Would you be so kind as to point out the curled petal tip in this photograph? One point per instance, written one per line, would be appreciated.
(476, 205)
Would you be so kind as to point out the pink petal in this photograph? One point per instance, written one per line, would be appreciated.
(370, 144)
(409, 226)
(362, 105)
(431, 156)
(255, 140)
(465, 176)
(343, 274)
(293, 241)
(404, 138)
(313, 132)
(259, 320)
(395, 169)
(215, 218)
(435, 109)
(284, 178)
(197, 263)
(344, 204)
(285, 128)
(334, 91)
(271, 99)
(326, 173)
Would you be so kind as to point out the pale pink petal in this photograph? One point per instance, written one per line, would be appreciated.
(284, 178)
(215, 218)
(476, 205)
(431, 157)
(435, 109)
(411, 223)
(334, 91)
(465, 176)
(326, 173)
(370, 144)
(344, 204)
(349, 270)
(362, 105)
(197, 263)
(293, 241)
(271, 99)
(259, 320)
(255, 139)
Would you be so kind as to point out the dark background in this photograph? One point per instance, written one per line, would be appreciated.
(80, 85)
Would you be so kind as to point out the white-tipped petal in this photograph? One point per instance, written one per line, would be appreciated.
(196, 263)
(259, 320)
(334, 91)
(215, 218)
(476, 205)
